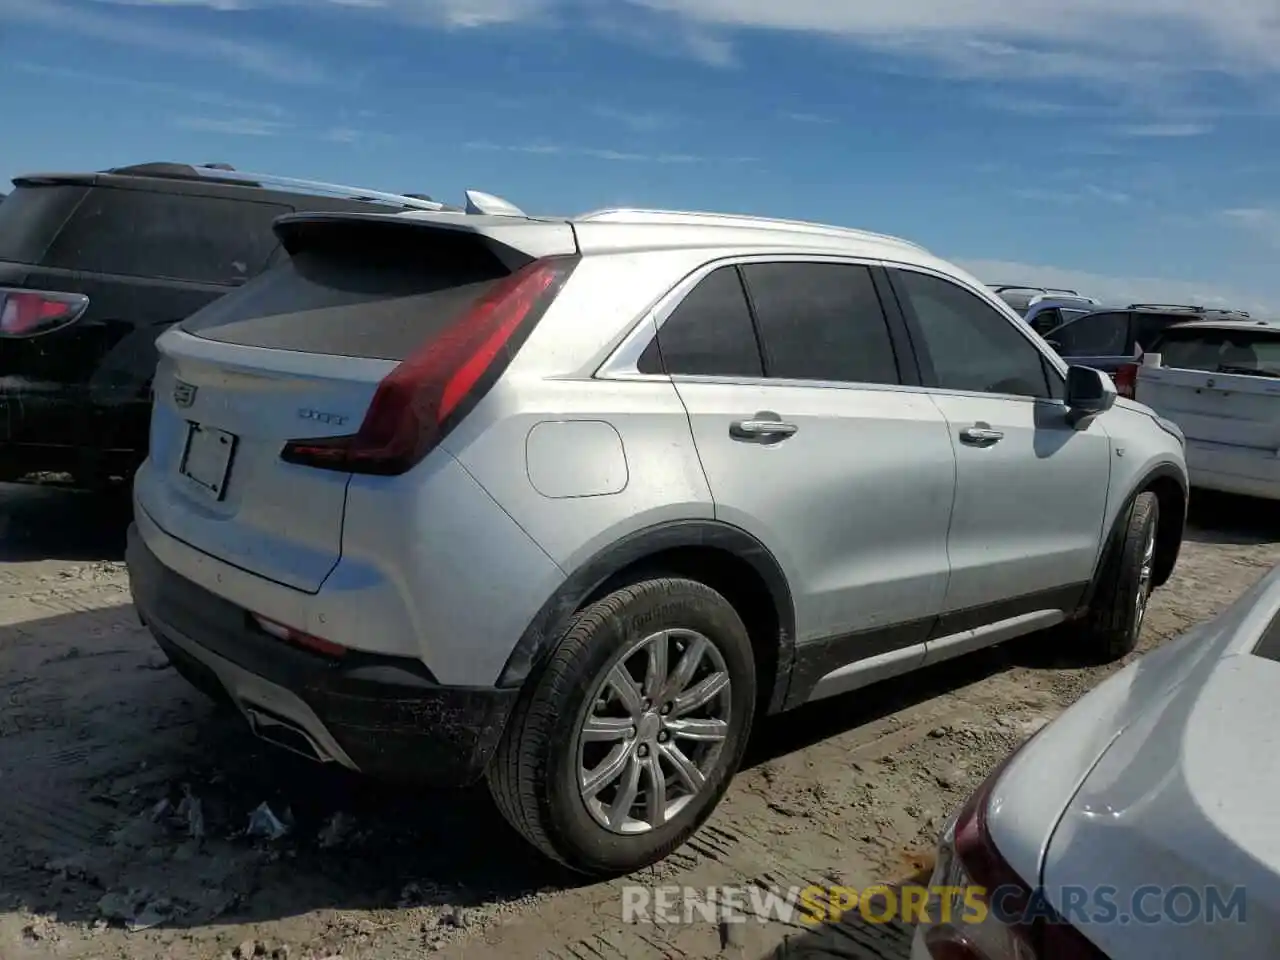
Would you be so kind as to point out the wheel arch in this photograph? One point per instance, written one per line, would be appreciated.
(720, 555)
(1169, 484)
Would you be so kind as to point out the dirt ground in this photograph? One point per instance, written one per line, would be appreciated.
(132, 825)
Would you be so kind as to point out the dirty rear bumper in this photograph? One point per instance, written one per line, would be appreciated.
(383, 716)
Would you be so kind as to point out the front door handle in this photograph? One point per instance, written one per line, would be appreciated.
(981, 434)
(761, 428)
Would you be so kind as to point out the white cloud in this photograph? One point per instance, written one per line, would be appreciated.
(92, 78)
(1262, 222)
(1115, 44)
(264, 59)
(1165, 129)
(1122, 290)
(232, 126)
(594, 153)
(641, 121)
(1088, 193)
(804, 117)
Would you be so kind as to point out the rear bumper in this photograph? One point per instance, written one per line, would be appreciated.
(383, 716)
(1214, 466)
(69, 431)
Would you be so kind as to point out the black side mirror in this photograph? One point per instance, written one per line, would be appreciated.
(1089, 391)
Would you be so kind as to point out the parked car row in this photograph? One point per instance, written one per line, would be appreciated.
(564, 504)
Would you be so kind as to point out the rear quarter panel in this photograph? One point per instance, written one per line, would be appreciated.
(551, 382)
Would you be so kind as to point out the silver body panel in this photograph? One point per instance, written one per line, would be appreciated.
(873, 511)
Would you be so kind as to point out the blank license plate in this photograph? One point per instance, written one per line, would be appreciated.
(207, 458)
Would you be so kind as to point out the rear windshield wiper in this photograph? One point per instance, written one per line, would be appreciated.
(1247, 371)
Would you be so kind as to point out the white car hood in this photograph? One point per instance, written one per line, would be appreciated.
(1185, 796)
(1164, 774)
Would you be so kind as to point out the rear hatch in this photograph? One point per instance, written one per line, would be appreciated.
(1220, 384)
(269, 399)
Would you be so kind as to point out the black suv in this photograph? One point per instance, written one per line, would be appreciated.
(94, 267)
(1114, 339)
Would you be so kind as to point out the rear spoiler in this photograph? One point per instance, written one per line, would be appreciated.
(513, 240)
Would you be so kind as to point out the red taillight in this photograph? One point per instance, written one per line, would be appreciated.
(318, 645)
(977, 851)
(1041, 935)
(26, 313)
(422, 398)
(1126, 379)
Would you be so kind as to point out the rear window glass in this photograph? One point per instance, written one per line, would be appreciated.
(167, 236)
(30, 218)
(1254, 352)
(363, 299)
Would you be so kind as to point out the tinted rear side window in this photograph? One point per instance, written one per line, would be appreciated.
(708, 334)
(30, 218)
(821, 321)
(167, 236)
(1255, 352)
(1097, 335)
(361, 292)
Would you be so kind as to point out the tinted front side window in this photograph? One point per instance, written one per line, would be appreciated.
(1149, 326)
(167, 236)
(969, 344)
(708, 334)
(1097, 335)
(821, 321)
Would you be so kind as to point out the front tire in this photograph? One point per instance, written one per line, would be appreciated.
(1120, 602)
(626, 740)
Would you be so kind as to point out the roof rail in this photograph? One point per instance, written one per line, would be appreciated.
(707, 218)
(1006, 287)
(1166, 306)
(225, 173)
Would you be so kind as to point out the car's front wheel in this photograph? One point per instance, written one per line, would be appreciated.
(1120, 599)
(627, 739)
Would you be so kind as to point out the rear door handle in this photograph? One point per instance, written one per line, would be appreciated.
(760, 428)
(981, 433)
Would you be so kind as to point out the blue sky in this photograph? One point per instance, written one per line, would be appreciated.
(1129, 147)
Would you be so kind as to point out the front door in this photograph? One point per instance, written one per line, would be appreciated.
(1031, 490)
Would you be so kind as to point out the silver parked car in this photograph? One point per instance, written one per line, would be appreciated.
(566, 504)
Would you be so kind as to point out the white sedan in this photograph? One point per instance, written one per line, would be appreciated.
(1141, 824)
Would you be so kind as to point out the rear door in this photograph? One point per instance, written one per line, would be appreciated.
(1103, 341)
(296, 353)
(815, 448)
(1031, 490)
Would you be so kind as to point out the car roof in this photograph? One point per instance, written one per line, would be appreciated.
(679, 223)
(186, 177)
(1226, 325)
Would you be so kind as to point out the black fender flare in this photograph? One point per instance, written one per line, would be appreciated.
(1166, 471)
(553, 618)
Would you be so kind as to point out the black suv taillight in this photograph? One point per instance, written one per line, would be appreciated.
(424, 397)
(28, 313)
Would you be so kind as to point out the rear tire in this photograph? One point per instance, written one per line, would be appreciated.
(1119, 604)
(574, 772)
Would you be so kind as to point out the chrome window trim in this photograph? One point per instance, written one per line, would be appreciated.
(1010, 317)
(623, 363)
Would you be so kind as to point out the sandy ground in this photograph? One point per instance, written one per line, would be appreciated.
(127, 800)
